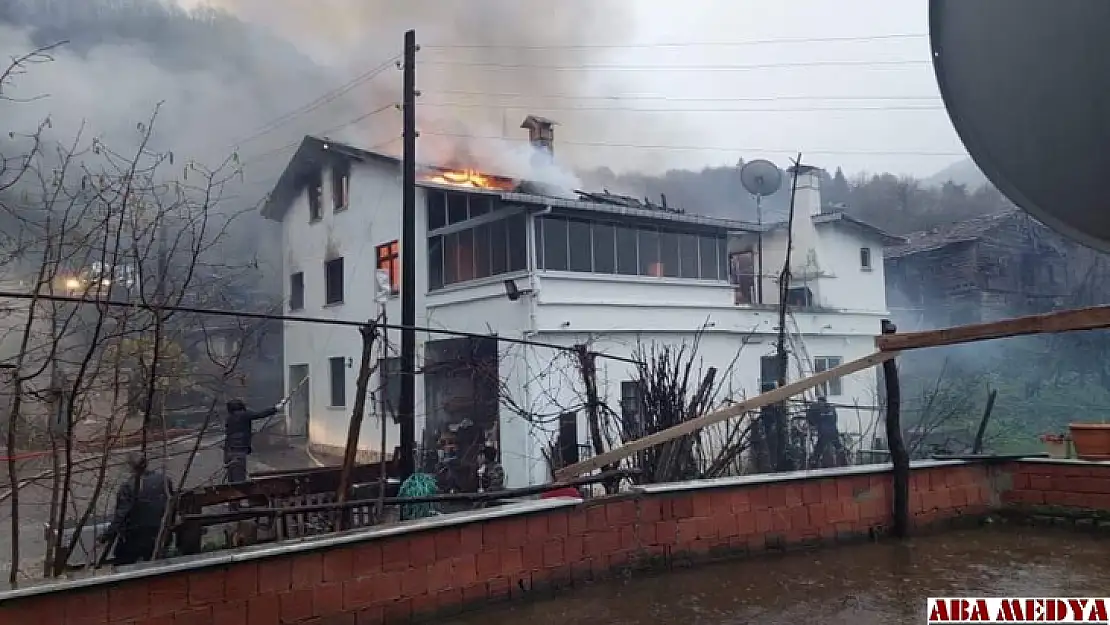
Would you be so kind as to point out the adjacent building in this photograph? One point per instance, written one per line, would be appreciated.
(512, 259)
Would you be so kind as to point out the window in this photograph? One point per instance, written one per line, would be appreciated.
(499, 247)
(340, 184)
(581, 247)
(649, 253)
(668, 254)
(390, 369)
(605, 249)
(389, 259)
(437, 209)
(482, 251)
(627, 261)
(554, 244)
(315, 190)
(865, 258)
(338, 368)
(688, 256)
(831, 388)
(710, 265)
(632, 409)
(456, 208)
(296, 291)
(517, 227)
(333, 281)
(435, 263)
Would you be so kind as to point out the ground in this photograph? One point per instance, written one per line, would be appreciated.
(34, 496)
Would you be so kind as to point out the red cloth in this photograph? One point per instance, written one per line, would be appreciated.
(562, 492)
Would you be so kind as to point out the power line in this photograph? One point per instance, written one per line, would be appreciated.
(705, 148)
(215, 312)
(634, 97)
(684, 68)
(631, 109)
(679, 44)
(351, 122)
(326, 98)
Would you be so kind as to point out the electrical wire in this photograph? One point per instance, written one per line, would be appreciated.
(628, 109)
(707, 148)
(683, 68)
(639, 96)
(679, 44)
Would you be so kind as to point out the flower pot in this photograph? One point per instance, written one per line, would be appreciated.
(1091, 440)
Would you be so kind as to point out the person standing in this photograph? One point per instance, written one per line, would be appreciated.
(829, 450)
(491, 475)
(238, 432)
(140, 508)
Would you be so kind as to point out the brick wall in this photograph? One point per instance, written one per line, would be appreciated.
(1068, 488)
(392, 574)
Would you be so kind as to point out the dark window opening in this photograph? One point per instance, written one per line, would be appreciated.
(668, 254)
(865, 258)
(688, 256)
(482, 251)
(333, 281)
(340, 184)
(338, 368)
(390, 369)
(437, 209)
(296, 291)
(517, 226)
(768, 372)
(555, 244)
(800, 296)
(568, 439)
(632, 410)
(627, 260)
(499, 247)
(649, 253)
(580, 257)
(605, 249)
(456, 208)
(315, 190)
(389, 260)
(710, 266)
(480, 205)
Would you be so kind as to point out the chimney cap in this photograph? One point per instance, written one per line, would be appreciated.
(535, 121)
(802, 169)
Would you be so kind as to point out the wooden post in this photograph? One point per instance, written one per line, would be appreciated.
(899, 457)
(977, 448)
(369, 332)
(587, 366)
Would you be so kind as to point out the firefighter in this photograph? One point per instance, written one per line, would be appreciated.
(822, 417)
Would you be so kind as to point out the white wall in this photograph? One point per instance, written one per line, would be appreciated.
(373, 218)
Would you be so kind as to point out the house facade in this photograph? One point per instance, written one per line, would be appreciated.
(501, 258)
(990, 267)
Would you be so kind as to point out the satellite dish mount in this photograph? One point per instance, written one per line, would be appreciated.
(761, 178)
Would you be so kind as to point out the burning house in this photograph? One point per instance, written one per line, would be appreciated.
(505, 257)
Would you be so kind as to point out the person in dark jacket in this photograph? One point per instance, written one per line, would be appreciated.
(238, 432)
(829, 450)
(140, 507)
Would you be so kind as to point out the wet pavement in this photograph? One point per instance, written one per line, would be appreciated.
(884, 583)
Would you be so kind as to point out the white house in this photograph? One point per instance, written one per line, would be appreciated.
(495, 258)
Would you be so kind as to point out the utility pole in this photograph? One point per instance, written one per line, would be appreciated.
(406, 412)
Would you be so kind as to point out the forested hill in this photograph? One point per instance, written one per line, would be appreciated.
(898, 204)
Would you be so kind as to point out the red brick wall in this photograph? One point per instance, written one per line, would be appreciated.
(441, 570)
(1058, 486)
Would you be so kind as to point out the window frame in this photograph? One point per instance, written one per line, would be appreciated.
(866, 259)
(830, 388)
(390, 261)
(328, 282)
(296, 291)
(337, 364)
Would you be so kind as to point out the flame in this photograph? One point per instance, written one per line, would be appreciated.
(470, 178)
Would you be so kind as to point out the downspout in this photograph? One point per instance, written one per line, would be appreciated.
(531, 331)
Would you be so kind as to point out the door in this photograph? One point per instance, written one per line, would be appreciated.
(568, 438)
(768, 371)
(297, 413)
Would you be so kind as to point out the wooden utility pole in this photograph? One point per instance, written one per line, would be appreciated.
(780, 446)
(369, 332)
(899, 457)
(587, 366)
(406, 412)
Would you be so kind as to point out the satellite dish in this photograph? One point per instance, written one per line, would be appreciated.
(1027, 86)
(761, 178)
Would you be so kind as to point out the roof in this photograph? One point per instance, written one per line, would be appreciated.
(951, 234)
(314, 152)
(846, 219)
(311, 154)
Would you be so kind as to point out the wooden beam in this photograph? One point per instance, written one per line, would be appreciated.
(689, 427)
(1094, 318)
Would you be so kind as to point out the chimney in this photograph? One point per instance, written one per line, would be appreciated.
(807, 199)
(541, 133)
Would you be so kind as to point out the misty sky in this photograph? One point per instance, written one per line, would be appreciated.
(692, 107)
